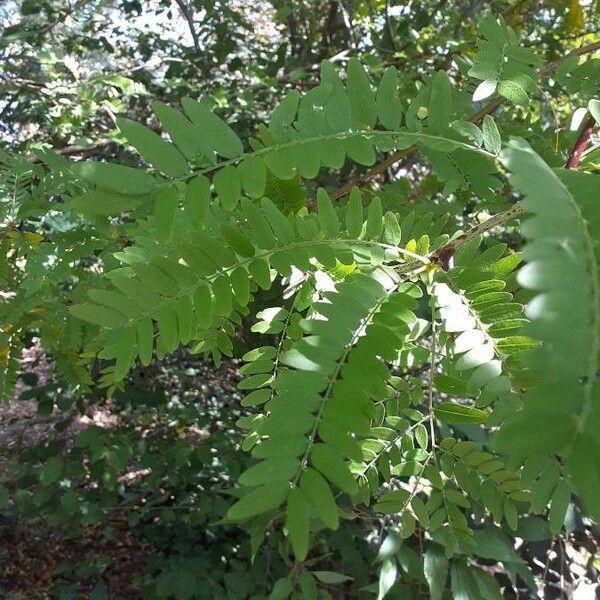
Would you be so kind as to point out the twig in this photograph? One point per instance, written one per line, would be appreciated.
(476, 118)
(189, 17)
(577, 151)
(443, 254)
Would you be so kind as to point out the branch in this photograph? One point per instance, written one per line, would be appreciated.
(189, 17)
(575, 155)
(476, 118)
(444, 255)
(74, 150)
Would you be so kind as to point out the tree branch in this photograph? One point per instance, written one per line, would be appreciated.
(577, 151)
(476, 118)
(443, 255)
(189, 17)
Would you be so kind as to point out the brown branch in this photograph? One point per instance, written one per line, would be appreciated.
(443, 255)
(392, 159)
(189, 17)
(577, 52)
(579, 147)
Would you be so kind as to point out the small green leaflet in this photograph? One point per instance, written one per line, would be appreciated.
(331, 577)
(491, 135)
(328, 218)
(389, 107)
(120, 179)
(217, 134)
(387, 577)
(297, 522)
(158, 152)
(435, 567)
(450, 412)
(104, 202)
(258, 501)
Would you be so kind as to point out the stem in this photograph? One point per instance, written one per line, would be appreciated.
(443, 254)
(431, 376)
(577, 151)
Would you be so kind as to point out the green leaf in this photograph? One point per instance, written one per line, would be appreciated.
(282, 589)
(181, 131)
(487, 584)
(422, 436)
(270, 471)
(387, 577)
(297, 523)
(216, 133)
(491, 135)
(165, 207)
(120, 179)
(237, 241)
(228, 185)
(374, 220)
(104, 202)
(392, 234)
(328, 218)
(389, 107)
(594, 108)
(468, 130)
(464, 586)
(285, 112)
(318, 494)
(145, 343)
(203, 303)
(450, 412)
(354, 213)
(440, 106)
(512, 90)
(197, 199)
(435, 567)
(331, 577)
(329, 462)
(361, 96)
(259, 500)
(51, 471)
(392, 502)
(558, 508)
(158, 152)
(98, 315)
(253, 175)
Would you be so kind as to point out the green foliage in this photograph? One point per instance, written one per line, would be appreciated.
(402, 371)
(562, 264)
(503, 64)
